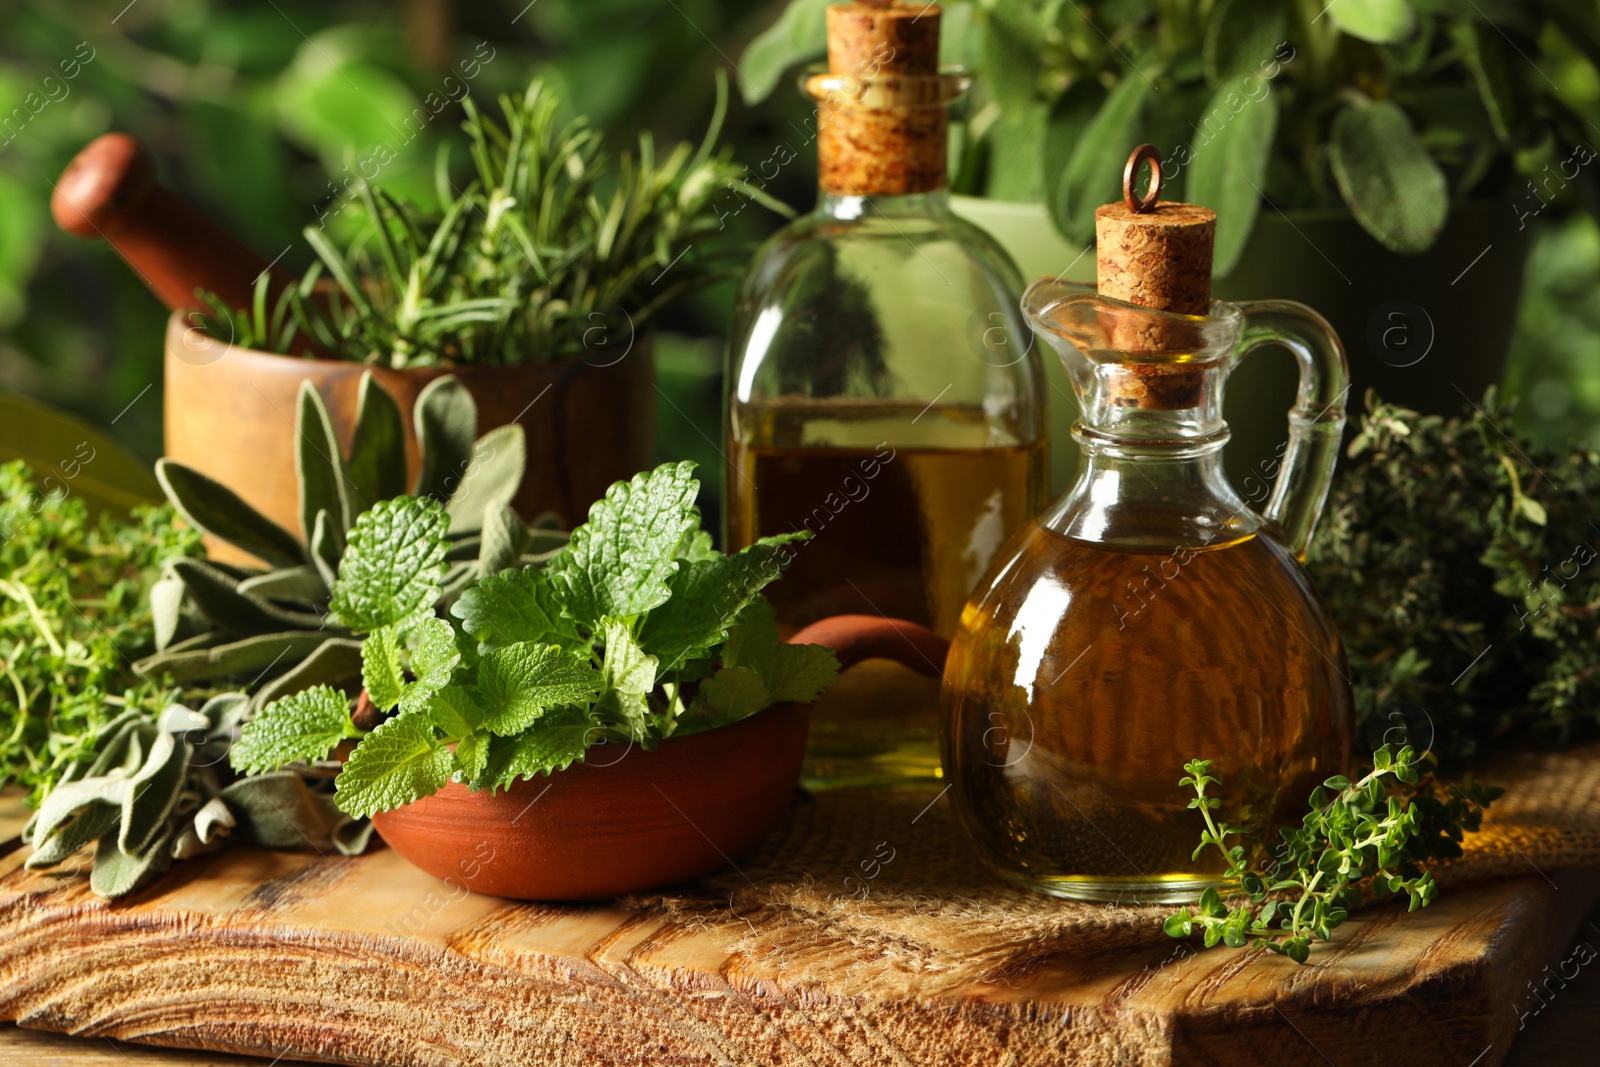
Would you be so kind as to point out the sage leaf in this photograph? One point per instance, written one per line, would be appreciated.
(91, 821)
(798, 36)
(279, 810)
(116, 873)
(399, 762)
(377, 466)
(392, 564)
(327, 546)
(304, 583)
(166, 609)
(1229, 169)
(446, 419)
(304, 726)
(457, 579)
(351, 836)
(213, 820)
(1378, 21)
(617, 564)
(252, 657)
(1387, 177)
(505, 538)
(1242, 36)
(234, 612)
(1501, 91)
(321, 467)
(334, 662)
(513, 607)
(153, 793)
(208, 505)
(66, 801)
(1069, 117)
(493, 476)
(519, 683)
(1094, 173)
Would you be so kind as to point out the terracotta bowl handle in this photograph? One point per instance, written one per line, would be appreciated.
(854, 638)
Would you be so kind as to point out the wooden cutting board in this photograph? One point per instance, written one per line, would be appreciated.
(369, 961)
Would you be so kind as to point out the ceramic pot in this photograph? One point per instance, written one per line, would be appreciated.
(230, 413)
(633, 821)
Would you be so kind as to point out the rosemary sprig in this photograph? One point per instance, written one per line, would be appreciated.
(551, 250)
(1370, 839)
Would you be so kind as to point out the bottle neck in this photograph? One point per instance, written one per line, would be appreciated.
(1152, 497)
(931, 204)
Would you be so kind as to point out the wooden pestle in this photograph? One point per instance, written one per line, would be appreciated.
(110, 190)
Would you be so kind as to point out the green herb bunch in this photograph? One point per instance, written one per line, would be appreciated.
(1370, 838)
(1461, 567)
(638, 631)
(1393, 109)
(269, 629)
(152, 789)
(550, 251)
(74, 615)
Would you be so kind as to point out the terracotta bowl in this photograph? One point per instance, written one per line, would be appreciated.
(230, 414)
(629, 820)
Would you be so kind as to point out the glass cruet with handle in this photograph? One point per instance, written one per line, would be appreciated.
(1150, 616)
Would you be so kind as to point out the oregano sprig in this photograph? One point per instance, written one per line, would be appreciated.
(1369, 839)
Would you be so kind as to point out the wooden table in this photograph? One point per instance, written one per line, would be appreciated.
(552, 955)
(1561, 1035)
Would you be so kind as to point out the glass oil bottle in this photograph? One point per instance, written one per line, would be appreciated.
(1150, 616)
(882, 390)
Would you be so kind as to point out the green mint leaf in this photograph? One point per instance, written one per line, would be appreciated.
(397, 763)
(628, 674)
(735, 693)
(454, 712)
(755, 632)
(472, 754)
(618, 563)
(548, 746)
(434, 655)
(697, 546)
(708, 594)
(515, 606)
(381, 672)
(798, 672)
(393, 564)
(304, 726)
(519, 683)
(790, 672)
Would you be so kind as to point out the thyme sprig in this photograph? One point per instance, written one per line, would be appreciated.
(1369, 839)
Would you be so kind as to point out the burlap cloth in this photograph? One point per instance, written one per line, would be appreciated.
(935, 909)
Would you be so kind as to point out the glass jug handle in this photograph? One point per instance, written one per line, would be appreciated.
(1317, 419)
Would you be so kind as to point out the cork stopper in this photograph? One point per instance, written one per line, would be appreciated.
(882, 123)
(1157, 256)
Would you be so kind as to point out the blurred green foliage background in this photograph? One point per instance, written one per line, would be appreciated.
(256, 110)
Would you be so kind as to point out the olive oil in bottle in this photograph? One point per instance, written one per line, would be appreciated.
(882, 389)
(1086, 675)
